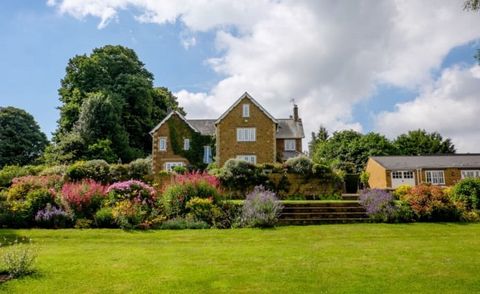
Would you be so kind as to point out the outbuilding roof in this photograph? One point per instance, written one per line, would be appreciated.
(290, 129)
(429, 161)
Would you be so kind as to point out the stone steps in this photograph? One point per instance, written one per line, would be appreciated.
(321, 212)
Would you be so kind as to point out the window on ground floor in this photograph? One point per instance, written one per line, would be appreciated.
(435, 177)
(248, 158)
(470, 173)
(170, 165)
(290, 145)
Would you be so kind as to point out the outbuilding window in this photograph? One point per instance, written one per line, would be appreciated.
(290, 145)
(435, 177)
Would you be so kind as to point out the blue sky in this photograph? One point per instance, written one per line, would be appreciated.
(367, 75)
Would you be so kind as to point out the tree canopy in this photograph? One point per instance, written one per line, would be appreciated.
(420, 142)
(108, 100)
(349, 150)
(21, 140)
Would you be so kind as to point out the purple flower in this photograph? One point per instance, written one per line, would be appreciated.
(379, 204)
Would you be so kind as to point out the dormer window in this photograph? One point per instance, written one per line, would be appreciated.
(246, 110)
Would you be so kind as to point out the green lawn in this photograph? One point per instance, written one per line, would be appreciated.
(356, 258)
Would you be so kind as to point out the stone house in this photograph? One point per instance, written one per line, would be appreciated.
(245, 131)
(389, 172)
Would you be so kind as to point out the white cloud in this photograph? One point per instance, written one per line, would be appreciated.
(328, 55)
(450, 106)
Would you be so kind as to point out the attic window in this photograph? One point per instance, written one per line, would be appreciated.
(246, 110)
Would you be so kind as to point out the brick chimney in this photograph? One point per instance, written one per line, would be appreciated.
(295, 112)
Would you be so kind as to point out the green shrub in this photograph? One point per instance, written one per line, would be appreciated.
(97, 170)
(201, 209)
(104, 218)
(119, 172)
(140, 168)
(182, 224)
(59, 170)
(83, 223)
(322, 171)
(467, 191)
(227, 215)
(179, 169)
(301, 165)
(401, 191)
(19, 259)
(9, 172)
(239, 175)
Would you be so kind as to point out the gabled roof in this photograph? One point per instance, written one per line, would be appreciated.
(204, 126)
(168, 117)
(289, 129)
(429, 161)
(246, 95)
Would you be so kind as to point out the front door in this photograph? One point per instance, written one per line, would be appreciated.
(402, 177)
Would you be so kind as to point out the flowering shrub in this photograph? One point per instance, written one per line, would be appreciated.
(379, 204)
(176, 196)
(201, 209)
(53, 217)
(132, 203)
(134, 190)
(84, 197)
(467, 191)
(197, 177)
(128, 214)
(261, 208)
(22, 185)
(430, 203)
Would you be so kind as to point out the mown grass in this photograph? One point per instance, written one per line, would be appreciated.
(355, 258)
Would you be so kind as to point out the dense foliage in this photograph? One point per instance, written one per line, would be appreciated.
(21, 140)
(381, 206)
(431, 203)
(420, 142)
(467, 191)
(109, 105)
(349, 150)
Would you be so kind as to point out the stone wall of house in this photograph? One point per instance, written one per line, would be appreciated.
(159, 158)
(226, 135)
(379, 177)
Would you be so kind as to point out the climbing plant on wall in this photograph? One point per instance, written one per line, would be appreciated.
(180, 131)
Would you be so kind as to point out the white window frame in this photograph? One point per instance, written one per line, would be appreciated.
(162, 144)
(169, 165)
(470, 173)
(186, 144)
(290, 145)
(435, 177)
(246, 110)
(397, 175)
(207, 154)
(246, 134)
(409, 173)
(248, 158)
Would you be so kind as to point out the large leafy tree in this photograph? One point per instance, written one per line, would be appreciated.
(108, 99)
(21, 140)
(349, 150)
(420, 142)
(473, 5)
(320, 136)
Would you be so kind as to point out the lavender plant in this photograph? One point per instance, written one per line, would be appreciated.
(53, 217)
(379, 204)
(261, 208)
